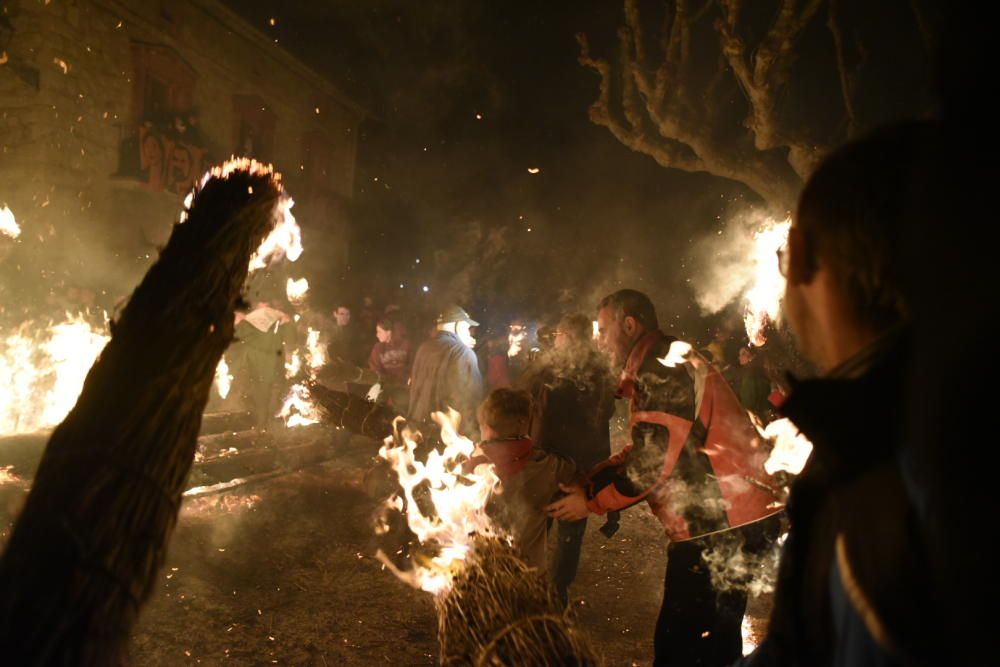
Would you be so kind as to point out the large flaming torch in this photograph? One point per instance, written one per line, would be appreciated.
(492, 608)
(85, 550)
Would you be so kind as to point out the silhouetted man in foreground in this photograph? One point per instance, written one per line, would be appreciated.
(853, 588)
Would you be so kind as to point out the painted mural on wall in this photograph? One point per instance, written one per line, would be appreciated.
(164, 156)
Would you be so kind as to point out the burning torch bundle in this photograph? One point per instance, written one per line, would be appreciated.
(84, 553)
(492, 608)
(499, 611)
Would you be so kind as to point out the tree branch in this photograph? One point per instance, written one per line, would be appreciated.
(846, 77)
(763, 75)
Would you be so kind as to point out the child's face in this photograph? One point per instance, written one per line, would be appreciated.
(486, 433)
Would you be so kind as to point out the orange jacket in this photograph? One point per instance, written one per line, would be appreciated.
(687, 424)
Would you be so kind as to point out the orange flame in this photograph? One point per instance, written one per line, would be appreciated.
(42, 372)
(790, 449)
(458, 498)
(8, 225)
(762, 301)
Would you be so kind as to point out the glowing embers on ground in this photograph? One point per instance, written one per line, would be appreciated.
(42, 372)
(8, 225)
(443, 502)
(762, 300)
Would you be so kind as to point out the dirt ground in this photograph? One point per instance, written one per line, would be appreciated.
(282, 571)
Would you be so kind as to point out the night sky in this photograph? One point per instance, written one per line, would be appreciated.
(454, 190)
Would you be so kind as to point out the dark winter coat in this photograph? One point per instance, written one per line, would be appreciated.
(573, 395)
(694, 456)
(852, 587)
(446, 374)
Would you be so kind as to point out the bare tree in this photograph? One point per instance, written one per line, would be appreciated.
(711, 91)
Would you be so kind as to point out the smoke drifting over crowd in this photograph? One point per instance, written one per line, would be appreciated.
(544, 250)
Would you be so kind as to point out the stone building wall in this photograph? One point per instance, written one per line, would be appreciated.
(92, 91)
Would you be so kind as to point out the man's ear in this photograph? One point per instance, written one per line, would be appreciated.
(629, 325)
(801, 263)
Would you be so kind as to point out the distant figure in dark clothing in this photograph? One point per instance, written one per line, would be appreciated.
(343, 337)
(574, 400)
(753, 385)
(446, 372)
(263, 333)
(854, 587)
(391, 358)
(508, 360)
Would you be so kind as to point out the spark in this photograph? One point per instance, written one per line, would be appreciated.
(8, 225)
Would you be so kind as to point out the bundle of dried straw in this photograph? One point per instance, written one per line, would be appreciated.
(84, 553)
(502, 612)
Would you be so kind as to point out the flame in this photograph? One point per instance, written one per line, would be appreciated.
(677, 354)
(516, 340)
(7, 476)
(750, 639)
(790, 449)
(285, 240)
(458, 498)
(41, 374)
(296, 290)
(315, 351)
(293, 365)
(298, 408)
(762, 301)
(223, 378)
(8, 225)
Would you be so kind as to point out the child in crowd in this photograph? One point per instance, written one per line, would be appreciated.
(530, 477)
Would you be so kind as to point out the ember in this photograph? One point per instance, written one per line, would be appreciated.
(8, 225)
(42, 371)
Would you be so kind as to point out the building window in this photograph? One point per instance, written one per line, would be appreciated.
(253, 128)
(164, 84)
(317, 160)
(163, 148)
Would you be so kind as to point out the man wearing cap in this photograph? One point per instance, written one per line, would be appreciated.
(446, 372)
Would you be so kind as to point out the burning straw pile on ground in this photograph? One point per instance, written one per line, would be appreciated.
(492, 608)
(84, 553)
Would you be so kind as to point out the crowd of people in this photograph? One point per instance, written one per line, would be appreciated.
(863, 573)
